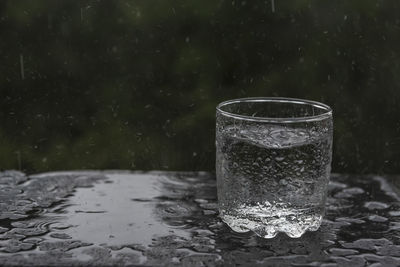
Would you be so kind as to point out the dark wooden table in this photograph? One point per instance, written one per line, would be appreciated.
(170, 218)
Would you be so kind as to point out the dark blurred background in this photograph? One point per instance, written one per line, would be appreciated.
(134, 84)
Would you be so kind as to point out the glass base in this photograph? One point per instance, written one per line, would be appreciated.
(268, 223)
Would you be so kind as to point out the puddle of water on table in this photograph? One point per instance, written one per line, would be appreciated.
(106, 213)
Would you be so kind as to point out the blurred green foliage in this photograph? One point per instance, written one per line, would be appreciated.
(134, 84)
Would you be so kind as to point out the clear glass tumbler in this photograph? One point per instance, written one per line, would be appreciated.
(273, 164)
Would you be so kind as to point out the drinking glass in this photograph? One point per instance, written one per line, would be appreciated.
(273, 162)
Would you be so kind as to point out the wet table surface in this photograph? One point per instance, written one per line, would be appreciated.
(170, 219)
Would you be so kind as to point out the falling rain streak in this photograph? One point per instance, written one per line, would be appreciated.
(273, 6)
(21, 62)
(19, 160)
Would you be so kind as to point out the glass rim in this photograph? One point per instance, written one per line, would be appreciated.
(326, 110)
